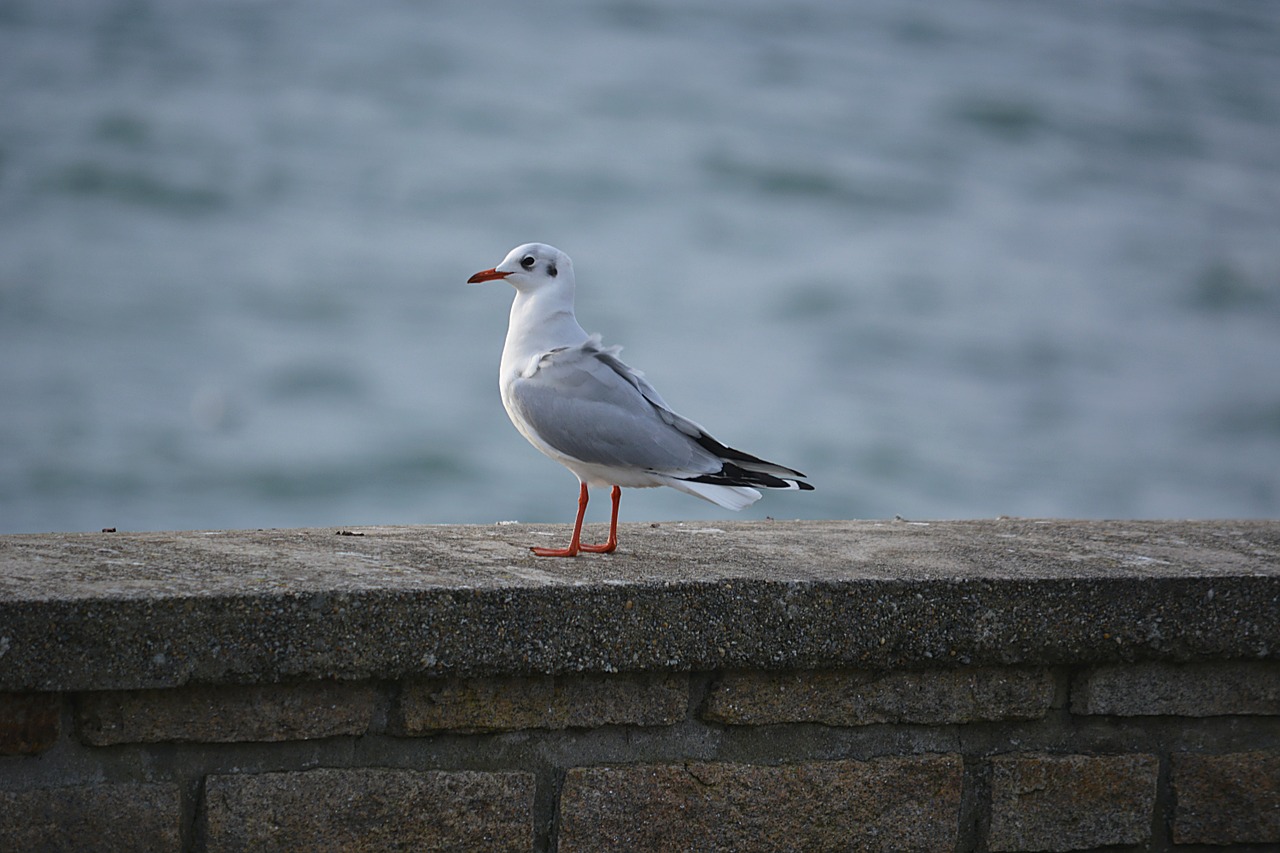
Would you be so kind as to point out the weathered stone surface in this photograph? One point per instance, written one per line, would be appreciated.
(858, 698)
(367, 810)
(1227, 799)
(550, 702)
(91, 817)
(889, 804)
(127, 611)
(1185, 690)
(1073, 802)
(268, 712)
(28, 722)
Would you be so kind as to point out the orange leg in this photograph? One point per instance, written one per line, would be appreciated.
(612, 545)
(575, 543)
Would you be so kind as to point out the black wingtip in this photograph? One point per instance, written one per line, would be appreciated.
(735, 475)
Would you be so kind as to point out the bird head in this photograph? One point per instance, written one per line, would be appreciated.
(529, 268)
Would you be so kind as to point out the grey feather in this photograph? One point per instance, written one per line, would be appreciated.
(586, 403)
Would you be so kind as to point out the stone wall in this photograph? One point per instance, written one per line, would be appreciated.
(989, 686)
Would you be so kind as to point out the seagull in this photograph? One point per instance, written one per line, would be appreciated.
(581, 405)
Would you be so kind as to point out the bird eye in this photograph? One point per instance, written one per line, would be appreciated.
(527, 262)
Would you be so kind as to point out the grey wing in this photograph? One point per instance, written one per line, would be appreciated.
(586, 403)
(749, 470)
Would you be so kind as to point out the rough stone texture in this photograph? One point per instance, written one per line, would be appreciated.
(365, 810)
(28, 722)
(1186, 690)
(858, 698)
(269, 712)
(248, 630)
(1074, 802)
(122, 611)
(1227, 799)
(498, 704)
(92, 817)
(890, 804)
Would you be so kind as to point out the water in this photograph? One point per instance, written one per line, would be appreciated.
(951, 260)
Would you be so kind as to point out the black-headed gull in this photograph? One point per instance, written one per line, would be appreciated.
(578, 403)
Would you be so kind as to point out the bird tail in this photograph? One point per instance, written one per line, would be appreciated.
(735, 485)
(729, 497)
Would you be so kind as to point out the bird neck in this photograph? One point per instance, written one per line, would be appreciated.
(540, 321)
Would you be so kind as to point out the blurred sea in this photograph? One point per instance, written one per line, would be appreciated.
(951, 259)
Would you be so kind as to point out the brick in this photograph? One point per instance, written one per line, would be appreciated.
(28, 722)
(860, 697)
(1183, 690)
(1073, 802)
(1226, 799)
(92, 817)
(226, 714)
(888, 804)
(369, 809)
(500, 704)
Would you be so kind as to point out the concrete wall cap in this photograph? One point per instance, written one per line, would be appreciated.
(89, 611)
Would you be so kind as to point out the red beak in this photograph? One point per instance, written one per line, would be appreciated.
(486, 275)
